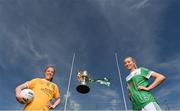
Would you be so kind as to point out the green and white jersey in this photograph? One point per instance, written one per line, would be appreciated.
(139, 77)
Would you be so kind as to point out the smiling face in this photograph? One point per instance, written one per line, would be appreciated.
(130, 63)
(49, 73)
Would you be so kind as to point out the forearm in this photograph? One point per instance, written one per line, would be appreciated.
(19, 88)
(57, 102)
(156, 82)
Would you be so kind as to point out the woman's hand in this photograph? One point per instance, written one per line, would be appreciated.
(143, 88)
(20, 99)
(50, 105)
(158, 79)
(18, 91)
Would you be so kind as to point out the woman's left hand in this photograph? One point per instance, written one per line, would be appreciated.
(50, 106)
(143, 88)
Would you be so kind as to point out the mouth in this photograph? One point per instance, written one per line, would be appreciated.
(49, 75)
(128, 66)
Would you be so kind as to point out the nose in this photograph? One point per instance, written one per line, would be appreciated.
(125, 65)
(51, 73)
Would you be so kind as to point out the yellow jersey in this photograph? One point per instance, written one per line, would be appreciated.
(44, 91)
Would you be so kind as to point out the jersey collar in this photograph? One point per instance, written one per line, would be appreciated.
(133, 73)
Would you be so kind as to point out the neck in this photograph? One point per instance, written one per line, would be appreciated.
(46, 79)
(134, 68)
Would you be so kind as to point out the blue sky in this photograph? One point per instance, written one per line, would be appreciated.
(34, 33)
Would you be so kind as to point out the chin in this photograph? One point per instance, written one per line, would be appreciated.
(129, 68)
(48, 78)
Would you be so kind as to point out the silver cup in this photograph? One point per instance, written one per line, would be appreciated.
(83, 78)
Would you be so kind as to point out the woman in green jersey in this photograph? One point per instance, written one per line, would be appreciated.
(139, 87)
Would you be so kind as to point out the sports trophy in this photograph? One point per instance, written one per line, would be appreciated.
(84, 79)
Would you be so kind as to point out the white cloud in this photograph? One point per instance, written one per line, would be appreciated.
(107, 94)
(71, 103)
(2, 65)
(171, 85)
(164, 92)
(132, 32)
(32, 47)
(140, 4)
(172, 66)
(74, 105)
(126, 27)
(111, 93)
(114, 103)
(67, 95)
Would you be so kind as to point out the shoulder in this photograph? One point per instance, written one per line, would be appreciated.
(145, 70)
(55, 85)
(36, 79)
(128, 77)
(133, 73)
(33, 82)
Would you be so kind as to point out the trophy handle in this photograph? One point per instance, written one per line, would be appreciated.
(79, 77)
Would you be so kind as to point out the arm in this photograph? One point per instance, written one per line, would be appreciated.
(57, 99)
(159, 78)
(129, 95)
(18, 91)
(57, 102)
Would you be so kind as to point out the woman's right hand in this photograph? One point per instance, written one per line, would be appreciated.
(20, 99)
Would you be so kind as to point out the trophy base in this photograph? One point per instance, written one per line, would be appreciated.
(83, 89)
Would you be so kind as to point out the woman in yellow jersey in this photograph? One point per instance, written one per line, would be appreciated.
(45, 90)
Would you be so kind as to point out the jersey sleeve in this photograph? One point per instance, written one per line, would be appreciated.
(56, 92)
(32, 83)
(146, 72)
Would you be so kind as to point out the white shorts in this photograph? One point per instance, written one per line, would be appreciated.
(152, 106)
